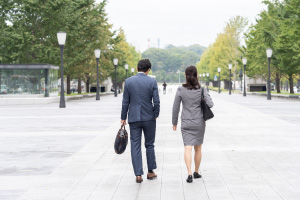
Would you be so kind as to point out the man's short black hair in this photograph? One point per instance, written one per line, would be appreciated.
(144, 65)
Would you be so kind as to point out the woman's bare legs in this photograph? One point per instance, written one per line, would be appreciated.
(188, 158)
(198, 156)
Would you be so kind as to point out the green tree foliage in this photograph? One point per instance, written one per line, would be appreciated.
(28, 31)
(224, 50)
(166, 62)
(276, 28)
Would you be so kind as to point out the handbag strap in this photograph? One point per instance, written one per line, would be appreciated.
(202, 95)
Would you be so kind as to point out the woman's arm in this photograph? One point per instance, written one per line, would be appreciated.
(176, 107)
(207, 98)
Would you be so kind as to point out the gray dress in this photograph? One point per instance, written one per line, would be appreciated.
(192, 122)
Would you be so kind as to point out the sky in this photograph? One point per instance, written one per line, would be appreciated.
(177, 22)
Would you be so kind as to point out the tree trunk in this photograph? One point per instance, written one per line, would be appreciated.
(79, 85)
(69, 84)
(88, 85)
(278, 82)
(291, 84)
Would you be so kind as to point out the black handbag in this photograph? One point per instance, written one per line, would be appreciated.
(121, 140)
(207, 113)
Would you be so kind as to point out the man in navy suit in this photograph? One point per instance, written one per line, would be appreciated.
(142, 100)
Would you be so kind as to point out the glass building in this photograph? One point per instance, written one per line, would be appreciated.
(28, 79)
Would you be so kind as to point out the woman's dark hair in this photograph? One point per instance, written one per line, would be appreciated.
(191, 78)
(144, 65)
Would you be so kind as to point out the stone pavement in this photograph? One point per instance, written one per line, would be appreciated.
(251, 151)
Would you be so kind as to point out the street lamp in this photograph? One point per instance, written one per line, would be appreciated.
(97, 55)
(244, 63)
(269, 55)
(115, 64)
(126, 67)
(207, 74)
(61, 37)
(230, 67)
(132, 70)
(219, 70)
(241, 77)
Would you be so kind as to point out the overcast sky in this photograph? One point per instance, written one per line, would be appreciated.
(178, 22)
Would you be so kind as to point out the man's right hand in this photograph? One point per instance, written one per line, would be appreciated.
(123, 122)
(174, 127)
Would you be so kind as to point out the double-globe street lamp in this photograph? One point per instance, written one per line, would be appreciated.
(97, 55)
(132, 70)
(244, 63)
(219, 70)
(126, 68)
(61, 37)
(269, 55)
(115, 64)
(230, 67)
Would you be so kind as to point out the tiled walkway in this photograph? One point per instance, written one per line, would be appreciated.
(251, 151)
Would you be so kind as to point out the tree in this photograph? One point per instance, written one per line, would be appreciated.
(224, 50)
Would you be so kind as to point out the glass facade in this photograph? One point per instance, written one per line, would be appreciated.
(28, 81)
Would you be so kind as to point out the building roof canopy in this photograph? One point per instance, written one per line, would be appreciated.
(28, 66)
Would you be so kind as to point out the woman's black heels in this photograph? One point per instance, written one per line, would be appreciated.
(196, 175)
(189, 179)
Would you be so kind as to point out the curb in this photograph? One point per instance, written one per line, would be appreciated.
(31, 101)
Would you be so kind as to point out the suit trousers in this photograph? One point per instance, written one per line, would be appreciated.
(149, 129)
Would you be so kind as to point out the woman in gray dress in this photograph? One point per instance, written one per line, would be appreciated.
(192, 122)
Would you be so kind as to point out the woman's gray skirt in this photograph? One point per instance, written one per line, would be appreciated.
(192, 131)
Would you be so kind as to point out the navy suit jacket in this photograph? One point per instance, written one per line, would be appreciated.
(140, 99)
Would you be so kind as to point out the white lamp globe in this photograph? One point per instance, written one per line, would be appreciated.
(269, 53)
(61, 37)
(115, 61)
(244, 61)
(97, 53)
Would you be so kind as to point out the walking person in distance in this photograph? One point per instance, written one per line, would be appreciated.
(141, 102)
(192, 122)
(164, 87)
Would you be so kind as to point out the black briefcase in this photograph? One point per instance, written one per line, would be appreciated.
(121, 140)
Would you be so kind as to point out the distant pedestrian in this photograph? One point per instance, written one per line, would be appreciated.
(164, 87)
(141, 98)
(192, 122)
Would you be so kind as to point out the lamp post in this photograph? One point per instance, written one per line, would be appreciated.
(230, 67)
(97, 55)
(126, 67)
(132, 70)
(61, 37)
(269, 55)
(115, 64)
(241, 76)
(204, 79)
(244, 63)
(207, 74)
(219, 70)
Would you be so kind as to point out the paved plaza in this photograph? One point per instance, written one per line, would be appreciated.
(251, 151)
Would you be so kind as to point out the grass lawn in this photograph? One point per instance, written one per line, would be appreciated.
(74, 94)
(285, 93)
